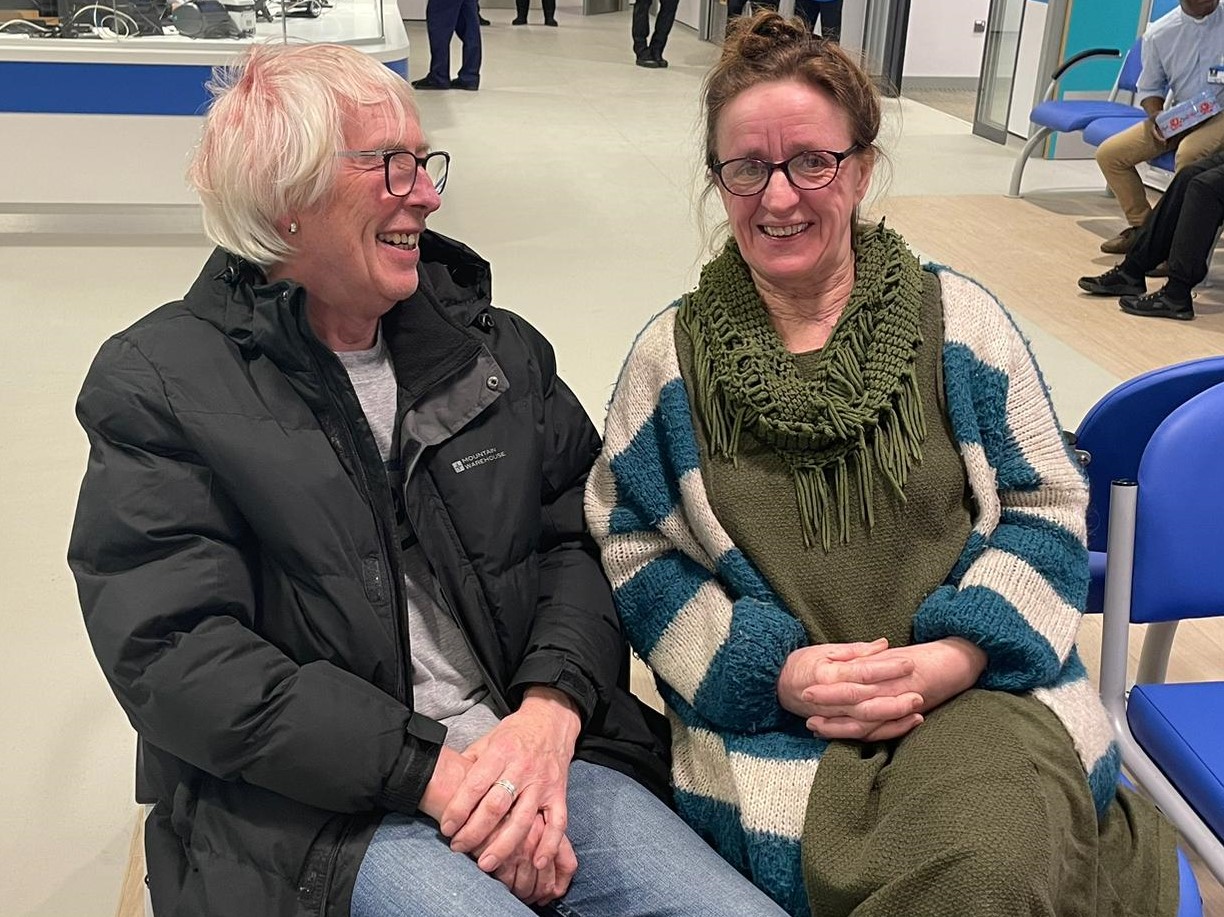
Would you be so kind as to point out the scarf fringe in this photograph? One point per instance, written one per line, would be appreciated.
(859, 417)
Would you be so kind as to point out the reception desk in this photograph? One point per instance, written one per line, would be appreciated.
(109, 122)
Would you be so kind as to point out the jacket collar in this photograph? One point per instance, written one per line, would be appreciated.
(427, 333)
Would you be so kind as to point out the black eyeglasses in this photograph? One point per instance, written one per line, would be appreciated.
(808, 170)
(401, 167)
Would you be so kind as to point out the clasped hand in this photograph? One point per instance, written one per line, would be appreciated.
(871, 693)
(519, 838)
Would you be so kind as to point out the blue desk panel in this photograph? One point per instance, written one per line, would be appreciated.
(110, 89)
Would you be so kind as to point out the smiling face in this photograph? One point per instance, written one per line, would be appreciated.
(791, 239)
(355, 251)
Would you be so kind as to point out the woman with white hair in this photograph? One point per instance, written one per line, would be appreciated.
(332, 560)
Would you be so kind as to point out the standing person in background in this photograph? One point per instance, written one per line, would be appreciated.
(648, 49)
(1178, 49)
(828, 13)
(444, 18)
(550, 12)
(735, 8)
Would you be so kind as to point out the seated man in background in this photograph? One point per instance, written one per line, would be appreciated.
(1178, 49)
(1182, 230)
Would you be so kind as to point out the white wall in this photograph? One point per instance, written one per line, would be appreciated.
(941, 41)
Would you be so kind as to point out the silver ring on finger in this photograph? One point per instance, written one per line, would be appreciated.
(507, 786)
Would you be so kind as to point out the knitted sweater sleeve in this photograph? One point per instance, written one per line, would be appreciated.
(1019, 588)
(719, 648)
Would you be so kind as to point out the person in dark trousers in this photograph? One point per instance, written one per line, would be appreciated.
(648, 49)
(1182, 229)
(828, 13)
(550, 12)
(735, 8)
(444, 18)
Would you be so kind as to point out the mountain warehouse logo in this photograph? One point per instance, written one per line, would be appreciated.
(477, 459)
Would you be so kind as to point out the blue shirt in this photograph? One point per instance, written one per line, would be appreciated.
(1177, 50)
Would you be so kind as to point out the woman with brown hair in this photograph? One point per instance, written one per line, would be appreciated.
(844, 531)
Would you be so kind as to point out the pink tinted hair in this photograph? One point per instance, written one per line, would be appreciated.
(277, 119)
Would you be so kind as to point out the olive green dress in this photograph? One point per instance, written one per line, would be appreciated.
(984, 809)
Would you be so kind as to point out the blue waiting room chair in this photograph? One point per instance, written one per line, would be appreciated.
(1067, 116)
(1113, 434)
(1166, 535)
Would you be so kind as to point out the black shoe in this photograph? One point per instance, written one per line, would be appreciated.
(551, 22)
(470, 87)
(1121, 243)
(520, 20)
(1157, 305)
(483, 21)
(659, 59)
(645, 60)
(1113, 283)
(426, 83)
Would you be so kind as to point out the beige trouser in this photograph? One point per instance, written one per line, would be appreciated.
(1119, 155)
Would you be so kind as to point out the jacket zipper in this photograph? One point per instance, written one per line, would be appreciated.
(363, 482)
(329, 875)
(440, 594)
(494, 690)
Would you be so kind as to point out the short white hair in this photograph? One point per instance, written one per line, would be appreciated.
(271, 135)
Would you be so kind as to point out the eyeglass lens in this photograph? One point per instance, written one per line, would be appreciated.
(402, 171)
(808, 171)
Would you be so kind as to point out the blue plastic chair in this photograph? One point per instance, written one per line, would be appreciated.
(1166, 534)
(1112, 436)
(1067, 116)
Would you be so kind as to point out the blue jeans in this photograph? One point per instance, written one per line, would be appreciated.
(636, 858)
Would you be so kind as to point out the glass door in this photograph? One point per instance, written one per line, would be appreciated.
(877, 30)
(998, 69)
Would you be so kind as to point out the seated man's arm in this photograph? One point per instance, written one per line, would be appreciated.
(1152, 85)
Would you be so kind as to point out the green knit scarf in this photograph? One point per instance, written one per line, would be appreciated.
(859, 414)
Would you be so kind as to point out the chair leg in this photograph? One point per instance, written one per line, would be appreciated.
(1018, 170)
(1154, 659)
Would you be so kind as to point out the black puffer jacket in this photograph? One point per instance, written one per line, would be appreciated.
(234, 553)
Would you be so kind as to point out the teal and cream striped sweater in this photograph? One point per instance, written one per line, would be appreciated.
(716, 635)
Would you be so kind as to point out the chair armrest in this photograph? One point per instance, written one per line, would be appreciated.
(1072, 61)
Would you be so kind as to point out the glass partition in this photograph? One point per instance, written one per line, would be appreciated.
(998, 69)
(190, 24)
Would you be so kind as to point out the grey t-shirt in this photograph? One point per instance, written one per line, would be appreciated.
(446, 682)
